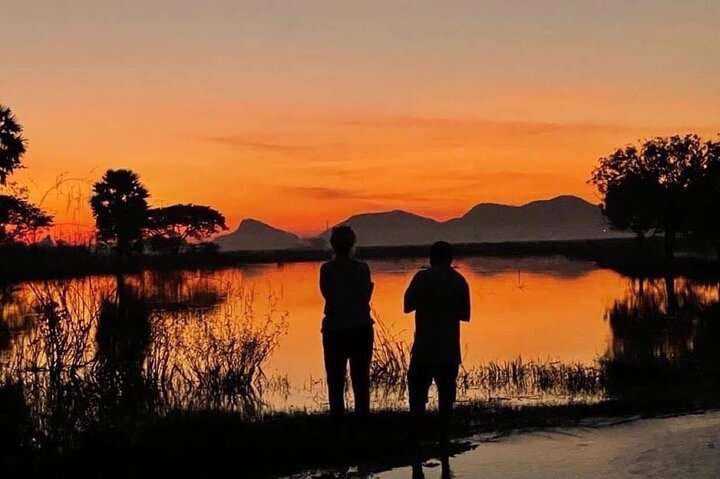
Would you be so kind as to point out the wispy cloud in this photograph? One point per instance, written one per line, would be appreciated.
(318, 192)
(463, 123)
(448, 187)
(239, 141)
(340, 193)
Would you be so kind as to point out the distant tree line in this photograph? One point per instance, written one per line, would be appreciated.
(125, 222)
(668, 185)
(123, 219)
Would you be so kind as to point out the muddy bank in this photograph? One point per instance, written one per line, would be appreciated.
(685, 446)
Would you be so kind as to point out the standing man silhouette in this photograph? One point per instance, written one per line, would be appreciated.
(440, 297)
(347, 328)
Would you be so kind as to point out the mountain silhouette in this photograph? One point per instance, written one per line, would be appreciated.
(254, 235)
(392, 228)
(560, 218)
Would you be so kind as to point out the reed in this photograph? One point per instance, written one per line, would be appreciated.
(215, 361)
(95, 353)
(519, 379)
(390, 361)
(513, 379)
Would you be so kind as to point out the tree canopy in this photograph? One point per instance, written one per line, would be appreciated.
(12, 144)
(704, 218)
(630, 205)
(119, 205)
(123, 219)
(18, 217)
(174, 225)
(657, 185)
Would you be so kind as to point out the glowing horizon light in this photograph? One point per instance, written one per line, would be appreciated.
(301, 114)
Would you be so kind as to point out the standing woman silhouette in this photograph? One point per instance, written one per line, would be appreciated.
(347, 328)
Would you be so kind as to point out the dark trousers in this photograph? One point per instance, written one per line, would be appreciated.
(356, 346)
(421, 376)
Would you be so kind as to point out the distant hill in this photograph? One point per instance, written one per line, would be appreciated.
(392, 228)
(560, 218)
(253, 235)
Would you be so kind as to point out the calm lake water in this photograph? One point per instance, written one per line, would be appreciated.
(545, 309)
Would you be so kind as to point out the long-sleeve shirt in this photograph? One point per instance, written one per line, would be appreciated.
(347, 288)
(440, 297)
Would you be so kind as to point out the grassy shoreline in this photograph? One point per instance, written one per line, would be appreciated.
(623, 255)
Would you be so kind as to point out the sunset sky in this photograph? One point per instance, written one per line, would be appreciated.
(300, 113)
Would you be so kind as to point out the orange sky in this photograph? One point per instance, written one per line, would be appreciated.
(303, 113)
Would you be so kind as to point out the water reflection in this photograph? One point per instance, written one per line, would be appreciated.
(249, 341)
(664, 336)
(445, 470)
(123, 337)
(13, 314)
(98, 349)
(177, 291)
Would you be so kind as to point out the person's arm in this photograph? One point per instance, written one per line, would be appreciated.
(324, 281)
(410, 300)
(465, 302)
(367, 282)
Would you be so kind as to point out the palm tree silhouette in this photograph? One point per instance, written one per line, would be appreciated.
(119, 204)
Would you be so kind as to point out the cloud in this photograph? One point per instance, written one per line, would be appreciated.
(318, 192)
(429, 188)
(482, 178)
(239, 141)
(339, 193)
(490, 126)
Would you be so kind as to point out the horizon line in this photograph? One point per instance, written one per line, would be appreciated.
(86, 230)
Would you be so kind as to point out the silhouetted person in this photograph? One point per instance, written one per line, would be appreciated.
(440, 297)
(347, 327)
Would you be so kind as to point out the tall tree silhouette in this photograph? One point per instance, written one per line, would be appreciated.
(18, 217)
(631, 205)
(705, 217)
(172, 226)
(12, 144)
(654, 186)
(119, 204)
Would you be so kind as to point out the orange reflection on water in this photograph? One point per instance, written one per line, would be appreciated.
(534, 308)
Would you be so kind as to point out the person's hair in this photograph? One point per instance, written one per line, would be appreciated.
(441, 253)
(342, 239)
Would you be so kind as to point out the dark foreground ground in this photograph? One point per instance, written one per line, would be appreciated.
(213, 444)
(623, 255)
(667, 447)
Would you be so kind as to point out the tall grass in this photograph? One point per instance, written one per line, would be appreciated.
(215, 361)
(51, 360)
(390, 360)
(94, 352)
(515, 379)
